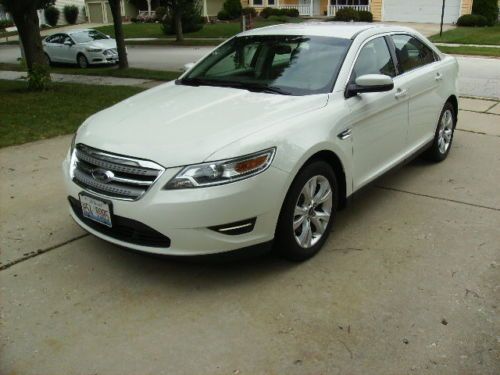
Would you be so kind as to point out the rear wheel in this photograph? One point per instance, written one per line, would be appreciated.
(307, 214)
(82, 61)
(443, 138)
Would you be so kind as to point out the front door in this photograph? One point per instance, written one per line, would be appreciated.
(379, 120)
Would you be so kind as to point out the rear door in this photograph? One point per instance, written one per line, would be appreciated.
(419, 71)
(379, 120)
(68, 52)
(53, 46)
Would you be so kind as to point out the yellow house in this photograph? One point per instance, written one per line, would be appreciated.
(425, 11)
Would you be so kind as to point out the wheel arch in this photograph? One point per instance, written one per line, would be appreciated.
(334, 161)
(454, 102)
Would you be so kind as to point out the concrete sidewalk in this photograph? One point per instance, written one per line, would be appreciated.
(84, 79)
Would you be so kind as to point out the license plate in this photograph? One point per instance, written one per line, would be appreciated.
(96, 209)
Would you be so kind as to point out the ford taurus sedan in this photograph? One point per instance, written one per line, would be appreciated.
(81, 47)
(263, 140)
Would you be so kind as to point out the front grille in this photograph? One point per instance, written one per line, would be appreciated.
(124, 229)
(113, 175)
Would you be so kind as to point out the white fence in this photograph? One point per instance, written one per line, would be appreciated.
(332, 9)
(304, 9)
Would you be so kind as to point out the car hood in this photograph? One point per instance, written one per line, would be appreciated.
(102, 43)
(176, 125)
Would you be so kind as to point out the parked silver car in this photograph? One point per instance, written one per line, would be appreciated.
(82, 47)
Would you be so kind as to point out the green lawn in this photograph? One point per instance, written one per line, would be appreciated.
(475, 51)
(215, 30)
(470, 35)
(29, 116)
(157, 75)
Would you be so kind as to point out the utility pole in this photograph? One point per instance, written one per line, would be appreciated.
(442, 18)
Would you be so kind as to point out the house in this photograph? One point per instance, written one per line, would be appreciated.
(427, 11)
(60, 4)
(98, 11)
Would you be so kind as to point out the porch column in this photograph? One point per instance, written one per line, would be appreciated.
(205, 11)
(149, 7)
(311, 8)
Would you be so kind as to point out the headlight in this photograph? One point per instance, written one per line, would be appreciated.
(223, 171)
(72, 156)
(94, 50)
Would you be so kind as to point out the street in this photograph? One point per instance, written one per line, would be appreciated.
(406, 284)
(478, 76)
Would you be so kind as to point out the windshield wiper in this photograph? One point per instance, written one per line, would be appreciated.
(237, 85)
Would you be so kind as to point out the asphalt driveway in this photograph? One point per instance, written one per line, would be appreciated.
(407, 283)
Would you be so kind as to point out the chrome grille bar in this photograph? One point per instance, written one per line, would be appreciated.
(113, 175)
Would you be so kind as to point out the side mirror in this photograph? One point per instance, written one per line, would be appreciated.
(369, 83)
(109, 37)
(188, 66)
(68, 43)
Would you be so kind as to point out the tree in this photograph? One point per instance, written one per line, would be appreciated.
(24, 14)
(115, 6)
(177, 8)
(486, 8)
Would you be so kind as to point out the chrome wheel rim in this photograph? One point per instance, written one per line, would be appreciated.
(312, 211)
(82, 61)
(445, 131)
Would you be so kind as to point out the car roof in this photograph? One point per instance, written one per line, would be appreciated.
(344, 30)
(74, 31)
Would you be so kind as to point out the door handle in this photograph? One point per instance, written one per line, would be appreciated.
(345, 134)
(439, 76)
(400, 93)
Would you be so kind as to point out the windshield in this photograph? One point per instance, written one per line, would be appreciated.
(283, 64)
(88, 36)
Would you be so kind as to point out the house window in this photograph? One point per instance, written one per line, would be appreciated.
(257, 2)
(270, 3)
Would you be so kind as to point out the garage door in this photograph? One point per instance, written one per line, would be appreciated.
(95, 13)
(427, 11)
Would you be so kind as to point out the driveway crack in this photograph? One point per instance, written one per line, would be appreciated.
(39, 252)
(438, 198)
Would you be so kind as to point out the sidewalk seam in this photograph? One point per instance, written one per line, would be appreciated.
(39, 252)
(437, 198)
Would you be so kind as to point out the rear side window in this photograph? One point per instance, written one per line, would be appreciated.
(411, 53)
(374, 58)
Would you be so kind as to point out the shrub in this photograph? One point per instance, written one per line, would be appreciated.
(290, 12)
(39, 77)
(160, 12)
(233, 8)
(472, 20)
(191, 20)
(52, 15)
(347, 14)
(134, 20)
(487, 9)
(223, 15)
(70, 13)
(266, 12)
(249, 11)
(365, 16)
(6, 23)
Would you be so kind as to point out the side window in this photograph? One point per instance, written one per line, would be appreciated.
(411, 52)
(374, 58)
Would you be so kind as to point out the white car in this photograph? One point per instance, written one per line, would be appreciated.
(263, 140)
(82, 47)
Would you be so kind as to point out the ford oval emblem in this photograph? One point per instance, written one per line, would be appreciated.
(102, 175)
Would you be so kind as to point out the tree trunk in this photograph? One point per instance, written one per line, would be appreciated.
(27, 24)
(178, 26)
(120, 40)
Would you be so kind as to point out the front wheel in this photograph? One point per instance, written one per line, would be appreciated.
(443, 137)
(82, 61)
(306, 217)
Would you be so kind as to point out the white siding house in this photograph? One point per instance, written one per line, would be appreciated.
(60, 4)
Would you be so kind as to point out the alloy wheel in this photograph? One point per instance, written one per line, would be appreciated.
(445, 131)
(312, 211)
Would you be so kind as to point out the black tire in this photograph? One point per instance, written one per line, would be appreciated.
(47, 59)
(81, 61)
(286, 244)
(439, 150)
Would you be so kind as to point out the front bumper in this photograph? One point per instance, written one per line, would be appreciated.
(185, 216)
